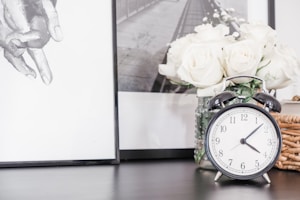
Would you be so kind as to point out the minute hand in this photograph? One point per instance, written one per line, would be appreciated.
(253, 131)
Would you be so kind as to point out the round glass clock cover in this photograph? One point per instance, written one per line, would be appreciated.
(243, 141)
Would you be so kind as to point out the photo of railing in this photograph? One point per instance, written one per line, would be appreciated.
(144, 29)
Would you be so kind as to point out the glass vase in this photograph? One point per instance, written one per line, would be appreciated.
(203, 116)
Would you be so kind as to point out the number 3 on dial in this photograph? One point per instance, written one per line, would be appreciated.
(243, 141)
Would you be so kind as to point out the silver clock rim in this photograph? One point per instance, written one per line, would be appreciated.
(262, 170)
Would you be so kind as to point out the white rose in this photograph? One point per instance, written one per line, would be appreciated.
(283, 68)
(174, 58)
(201, 65)
(204, 34)
(262, 33)
(242, 58)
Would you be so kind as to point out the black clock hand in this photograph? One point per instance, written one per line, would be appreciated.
(253, 132)
(252, 147)
(243, 141)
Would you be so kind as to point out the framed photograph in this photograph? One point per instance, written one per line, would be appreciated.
(153, 113)
(58, 94)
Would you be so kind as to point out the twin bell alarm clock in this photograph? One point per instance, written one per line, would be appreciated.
(243, 141)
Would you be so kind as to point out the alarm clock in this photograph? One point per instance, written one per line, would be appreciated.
(243, 141)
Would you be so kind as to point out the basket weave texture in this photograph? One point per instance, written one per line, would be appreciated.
(289, 125)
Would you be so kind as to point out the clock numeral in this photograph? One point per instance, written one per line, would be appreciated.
(243, 166)
(223, 128)
(217, 140)
(256, 120)
(230, 161)
(270, 142)
(221, 153)
(244, 117)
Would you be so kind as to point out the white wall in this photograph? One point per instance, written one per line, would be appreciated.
(286, 18)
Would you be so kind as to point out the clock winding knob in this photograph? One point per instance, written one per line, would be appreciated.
(268, 101)
(220, 100)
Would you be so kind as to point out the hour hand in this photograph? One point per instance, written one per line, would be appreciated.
(243, 141)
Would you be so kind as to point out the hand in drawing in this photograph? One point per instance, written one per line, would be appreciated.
(28, 25)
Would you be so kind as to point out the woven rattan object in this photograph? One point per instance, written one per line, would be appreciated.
(290, 130)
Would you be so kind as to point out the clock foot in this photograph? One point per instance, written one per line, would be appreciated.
(266, 177)
(218, 176)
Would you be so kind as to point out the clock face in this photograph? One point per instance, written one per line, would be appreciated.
(243, 141)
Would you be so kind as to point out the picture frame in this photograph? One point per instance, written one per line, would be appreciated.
(68, 114)
(156, 121)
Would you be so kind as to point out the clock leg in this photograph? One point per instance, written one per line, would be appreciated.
(218, 176)
(267, 178)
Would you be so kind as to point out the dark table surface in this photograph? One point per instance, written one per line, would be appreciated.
(141, 180)
(181, 180)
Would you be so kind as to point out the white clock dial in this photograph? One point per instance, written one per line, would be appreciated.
(243, 141)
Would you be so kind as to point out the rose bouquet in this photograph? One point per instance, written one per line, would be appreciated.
(204, 58)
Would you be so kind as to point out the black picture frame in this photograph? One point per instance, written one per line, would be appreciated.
(138, 152)
(271, 13)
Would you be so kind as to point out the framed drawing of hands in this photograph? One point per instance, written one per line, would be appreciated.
(57, 84)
